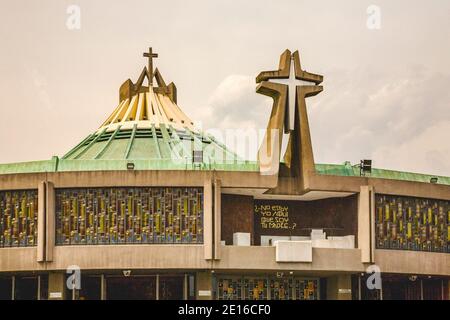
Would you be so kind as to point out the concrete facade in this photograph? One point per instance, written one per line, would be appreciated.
(342, 206)
(212, 256)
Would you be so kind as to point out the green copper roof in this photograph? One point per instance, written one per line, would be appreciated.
(149, 129)
(353, 171)
(156, 144)
(63, 165)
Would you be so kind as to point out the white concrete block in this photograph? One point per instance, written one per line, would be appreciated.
(270, 240)
(321, 243)
(317, 234)
(300, 238)
(350, 241)
(241, 239)
(293, 251)
(347, 242)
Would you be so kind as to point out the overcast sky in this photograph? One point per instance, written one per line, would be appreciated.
(386, 91)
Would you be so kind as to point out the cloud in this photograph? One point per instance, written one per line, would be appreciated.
(41, 87)
(235, 105)
(236, 115)
(401, 122)
(369, 114)
(427, 152)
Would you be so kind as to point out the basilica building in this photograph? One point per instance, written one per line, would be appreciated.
(148, 206)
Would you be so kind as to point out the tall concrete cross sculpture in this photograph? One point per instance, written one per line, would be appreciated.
(288, 87)
(150, 55)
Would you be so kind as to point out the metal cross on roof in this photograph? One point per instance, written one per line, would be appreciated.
(150, 55)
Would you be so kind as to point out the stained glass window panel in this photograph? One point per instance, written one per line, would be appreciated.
(18, 218)
(406, 223)
(129, 215)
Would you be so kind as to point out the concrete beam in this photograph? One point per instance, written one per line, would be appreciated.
(413, 262)
(217, 219)
(133, 178)
(208, 228)
(41, 222)
(50, 222)
(366, 223)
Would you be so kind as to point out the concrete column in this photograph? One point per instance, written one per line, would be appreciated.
(204, 285)
(185, 287)
(56, 286)
(217, 219)
(13, 288)
(372, 223)
(208, 219)
(157, 287)
(41, 222)
(366, 223)
(381, 290)
(50, 222)
(448, 290)
(339, 287)
(39, 288)
(421, 289)
(103, 287)
(359, 288)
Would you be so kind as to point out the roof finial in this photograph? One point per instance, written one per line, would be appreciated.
(150, 55)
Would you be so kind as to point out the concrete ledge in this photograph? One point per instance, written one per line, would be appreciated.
(413, 262)
(175, 257)
(107, 257)
(130, 256)
(263, 258)
(19, 259)
(233, 257)
(125, 178)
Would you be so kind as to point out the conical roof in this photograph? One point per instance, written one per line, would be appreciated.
(147, 124)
